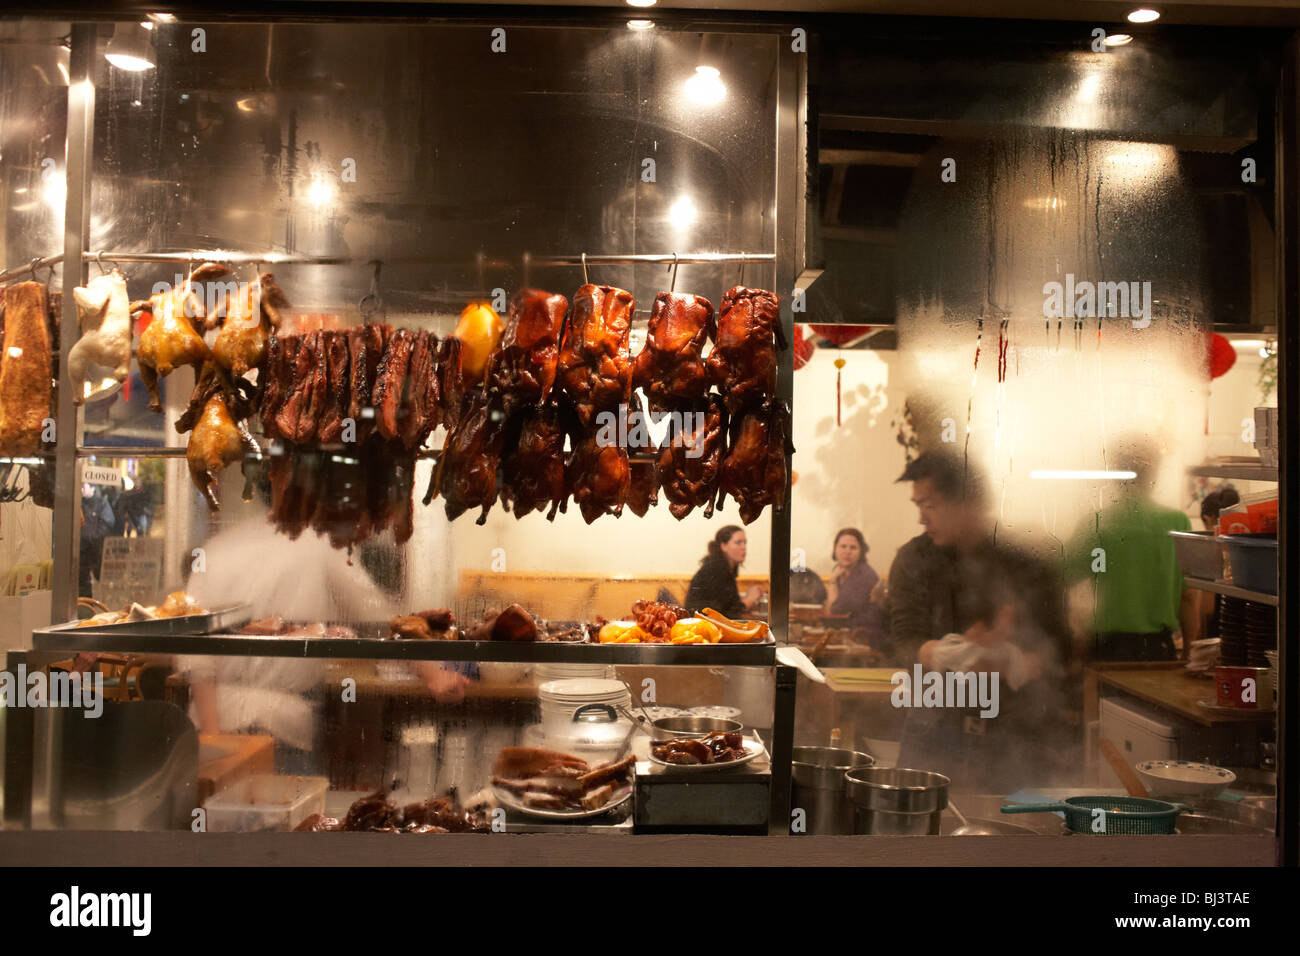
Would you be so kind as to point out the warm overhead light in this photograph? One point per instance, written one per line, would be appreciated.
(1118, 39)
(1143, 15)
(640, 24)
(129, 49)
(147, 24)
(1045, 203)
(1067, 474)
(641, 3)
(320, 192)
(706, 85)
(682, 213)
(1089, 86)
(163, 17)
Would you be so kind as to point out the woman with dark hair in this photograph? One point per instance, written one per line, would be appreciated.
(851, 584)
(714, 584)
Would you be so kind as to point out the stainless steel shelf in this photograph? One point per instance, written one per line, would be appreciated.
(1242, 472)
(1229, 590)
(246, 645)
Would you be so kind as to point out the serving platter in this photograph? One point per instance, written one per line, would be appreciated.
(753, 748)
(512, 800)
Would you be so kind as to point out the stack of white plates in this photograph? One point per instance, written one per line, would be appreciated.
(560, 699)
(550, 672)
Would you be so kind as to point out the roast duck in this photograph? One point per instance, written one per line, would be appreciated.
(690, 460)
(670, 368)
(216, 419)
(754, 469)
(170, 338)
(104, 318)
(550, 780)
(523, 367)
(743, 362)
(595, 369)
(247, 320)
(377, 813)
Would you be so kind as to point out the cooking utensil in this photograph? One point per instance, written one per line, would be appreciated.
(1126, 774)
(977, 827)
(1118, 815)
(897, 800)
(820, 787)
(668, 728)
(1181, 778)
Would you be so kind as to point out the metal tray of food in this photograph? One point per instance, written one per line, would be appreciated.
(208, 622)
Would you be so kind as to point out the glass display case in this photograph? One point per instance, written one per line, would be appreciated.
(1017, 291)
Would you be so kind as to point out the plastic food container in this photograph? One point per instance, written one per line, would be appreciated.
(1253, 558)
(1199, 554)
(265, 802)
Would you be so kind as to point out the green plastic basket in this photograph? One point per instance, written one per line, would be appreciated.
(1124, 816)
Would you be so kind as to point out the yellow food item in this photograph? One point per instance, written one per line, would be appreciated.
(479, 331)
(622, 632)
(694, 630)
(735, 632)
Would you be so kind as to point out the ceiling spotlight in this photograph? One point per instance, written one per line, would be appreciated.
(1118, 39)
(1143, 15)
(641, 3)
(163, 17)
(706, 85)
(129, 49)
(640, 24)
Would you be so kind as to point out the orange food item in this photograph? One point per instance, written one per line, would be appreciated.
(735, 632)
(694, 630)
(624, 632)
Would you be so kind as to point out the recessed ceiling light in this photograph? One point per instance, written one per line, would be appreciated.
(641, 3)
(1118, 39)
(640, 24)
(1143, 15)
(163, 17)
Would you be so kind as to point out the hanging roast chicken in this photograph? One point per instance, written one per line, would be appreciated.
(595, 370)
(104, 316)
(523, 367)
(247, 320)
(670, 369)
(217, 422)
(171, 338)
(754, 468)
(743, 362)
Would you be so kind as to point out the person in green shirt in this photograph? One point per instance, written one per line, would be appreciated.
(1138, 586)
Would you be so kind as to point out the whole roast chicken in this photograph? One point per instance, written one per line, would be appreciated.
(670, 369)
(523, 367)
(246, 321)
(171, 339)
(595, 369)
(216, 421)
(743, 362)
(104, 316)
(691, 457)
(754, 469)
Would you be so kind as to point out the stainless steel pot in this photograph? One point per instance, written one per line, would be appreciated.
(668, 728)
(819, 786)
(897, 800)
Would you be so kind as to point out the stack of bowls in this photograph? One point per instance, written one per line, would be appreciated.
(561, 699)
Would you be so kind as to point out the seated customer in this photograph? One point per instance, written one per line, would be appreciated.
(851, 584)
(714, 584)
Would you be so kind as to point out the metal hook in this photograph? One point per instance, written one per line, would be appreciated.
(371, 303)
(672, 284)
(585, 280)
(35, 262)
(528, 268)
(99, 261)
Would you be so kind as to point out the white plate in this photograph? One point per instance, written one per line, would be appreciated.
(1184, 778)
(752, 749)
(511, 800)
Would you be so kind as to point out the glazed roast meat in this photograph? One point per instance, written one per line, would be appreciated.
(691, 457)
(466, 475)
(532, 472)
(669, 368)
(390, 382)
(421, 409)
(26, 368)
(643, 486)
(743, 362)
(247, 321)
(595, 370)
(754, 469)
(171, 338)
(337, 388)
(598, 476)
(523, 367)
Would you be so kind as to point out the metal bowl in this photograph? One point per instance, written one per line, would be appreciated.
(897, 789)
(667, 728)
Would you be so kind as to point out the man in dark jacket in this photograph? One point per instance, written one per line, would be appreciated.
(961, 603)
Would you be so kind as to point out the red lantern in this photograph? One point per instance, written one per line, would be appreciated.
(803, 348)
(1222, 355)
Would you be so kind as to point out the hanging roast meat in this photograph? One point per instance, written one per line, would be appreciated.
(743, 361)
(171, 339)
(466, 475)
(598, 477)
(247, 320)
(595, 370)
(338, 391)
(453, 380)
(532, 473)
(421, 405)
(754, 468)
(643, 486)
(522, 369)
(691, 457)
(670, 369)
(390, 382)
(26, 369)
(104, 317)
